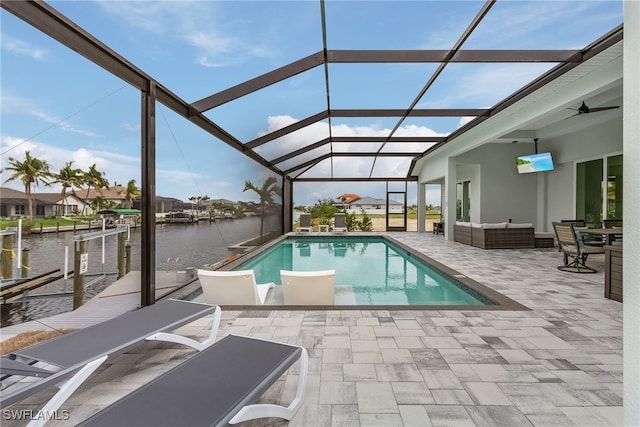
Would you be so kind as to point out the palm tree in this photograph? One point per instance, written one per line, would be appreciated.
(93, 178)
(130, 193)
(30, 171)
(99, 203)
(266, 192)
(197, 199)
(69, 177)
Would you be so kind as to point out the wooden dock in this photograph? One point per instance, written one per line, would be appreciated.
(120, 297)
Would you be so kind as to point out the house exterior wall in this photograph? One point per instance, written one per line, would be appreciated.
(501, 192)
(631, 245)
(373, 209)
(601, 140)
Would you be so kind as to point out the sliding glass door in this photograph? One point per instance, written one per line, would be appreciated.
(463, 201)
(591, 203)
(614, 187)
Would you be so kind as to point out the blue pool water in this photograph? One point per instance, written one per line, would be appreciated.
(369, 271)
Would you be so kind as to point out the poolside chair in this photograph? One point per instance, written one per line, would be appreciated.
(217, 387)
(233, 287)
(308, 287)
(611, 223)
(339, 222)
(305, 224)
(579, 224)
(70, 359)
(572, 247)
(340, 249)
(305, 249)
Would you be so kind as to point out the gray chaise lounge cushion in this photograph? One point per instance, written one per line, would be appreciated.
(208, 389)
(71, 352)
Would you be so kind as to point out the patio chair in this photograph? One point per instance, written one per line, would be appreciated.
(308, 287)
(305, 249)
(233, 287)
(305, 224)
(587, 239)
(339, 222)
(572, 247)
(340, 249)
(214, 388)
(612, 223)
(70, 359)
(576, 222)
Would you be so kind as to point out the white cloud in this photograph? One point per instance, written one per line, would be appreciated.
(16, 105)
(13, 104)
(181, 20)
(465, 120)
(131, 127)
(62, 124)
(22, 48)
(342, 166)
(117, 167)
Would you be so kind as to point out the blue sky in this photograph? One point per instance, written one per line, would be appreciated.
(62, 107)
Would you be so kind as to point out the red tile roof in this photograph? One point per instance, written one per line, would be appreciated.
(348, 197)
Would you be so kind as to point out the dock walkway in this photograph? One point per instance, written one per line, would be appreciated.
(118, 298)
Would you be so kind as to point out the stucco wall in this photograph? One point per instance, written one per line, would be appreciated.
(504, 194)
(603, 139)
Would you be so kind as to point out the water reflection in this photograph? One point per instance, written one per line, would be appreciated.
(178, 246)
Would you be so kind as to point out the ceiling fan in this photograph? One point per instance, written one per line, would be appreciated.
(584, 109)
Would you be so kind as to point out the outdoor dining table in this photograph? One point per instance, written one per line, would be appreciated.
(608, 233)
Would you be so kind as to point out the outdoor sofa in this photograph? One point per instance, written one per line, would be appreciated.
(502, 235)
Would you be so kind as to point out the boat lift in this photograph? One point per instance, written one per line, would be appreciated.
(19, 288)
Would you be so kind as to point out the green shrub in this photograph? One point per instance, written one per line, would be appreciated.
(351, 221)
(365, 223)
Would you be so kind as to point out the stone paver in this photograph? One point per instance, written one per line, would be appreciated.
(558, 363)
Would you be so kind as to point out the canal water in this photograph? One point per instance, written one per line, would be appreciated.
(178, 246)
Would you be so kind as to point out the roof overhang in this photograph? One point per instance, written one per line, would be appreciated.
(546, 107)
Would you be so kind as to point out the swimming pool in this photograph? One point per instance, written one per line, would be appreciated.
(373, 271)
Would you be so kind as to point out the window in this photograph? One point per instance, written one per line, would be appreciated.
(21, 210)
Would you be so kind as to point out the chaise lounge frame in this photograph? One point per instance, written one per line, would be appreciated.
(73, 357)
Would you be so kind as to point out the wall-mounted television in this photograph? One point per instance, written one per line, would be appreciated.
(542, 162)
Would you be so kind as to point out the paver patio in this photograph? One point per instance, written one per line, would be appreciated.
(559, 364)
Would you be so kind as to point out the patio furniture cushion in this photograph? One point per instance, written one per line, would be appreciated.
(305, 224)
(522, 225)
(494, 225)
(217, 386)
(339, 222)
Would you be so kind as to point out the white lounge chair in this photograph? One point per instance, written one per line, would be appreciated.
(339, 222)
(308, 287)
(305, 224)
(233, 287)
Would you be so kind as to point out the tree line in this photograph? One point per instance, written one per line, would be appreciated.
(33, 171)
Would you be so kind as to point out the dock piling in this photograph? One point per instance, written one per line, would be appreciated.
(7, 256)
(78, 278)
(25, 263)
